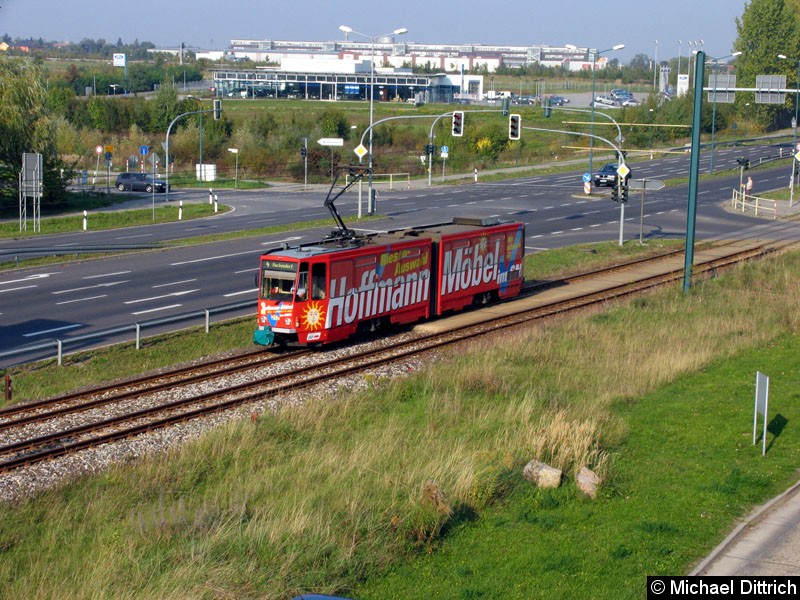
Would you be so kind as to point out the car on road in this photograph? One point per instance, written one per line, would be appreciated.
(558, 100)
(139, 182)
(604, 101)
(607, 175)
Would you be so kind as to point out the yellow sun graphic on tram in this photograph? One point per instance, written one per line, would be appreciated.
(483, 245)
(313, 316)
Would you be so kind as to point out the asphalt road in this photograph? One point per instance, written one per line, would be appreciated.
(73, 298)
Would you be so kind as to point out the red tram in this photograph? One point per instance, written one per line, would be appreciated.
(324, 292)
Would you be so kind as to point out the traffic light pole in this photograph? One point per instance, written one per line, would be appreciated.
(305, 163)
(621, 159)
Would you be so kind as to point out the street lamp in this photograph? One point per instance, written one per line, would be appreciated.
(794, 126)
(113, 87)
(655, 65)
(715, 63)
(200, 112)
(697, 45)
(595, 54)
(236, 175)
(348, 30)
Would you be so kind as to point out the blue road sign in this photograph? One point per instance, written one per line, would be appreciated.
(587, 177)
(143, 150)
(445, 149)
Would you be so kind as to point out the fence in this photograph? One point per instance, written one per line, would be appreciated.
(58, 344)
(388, 178)
(740, 200)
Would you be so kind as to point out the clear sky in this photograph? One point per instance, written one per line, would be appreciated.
(211, 24)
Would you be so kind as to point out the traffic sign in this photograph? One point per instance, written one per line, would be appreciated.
(587, 178)
(623, 171)
(445, 149)
(98, 149)
(143, 150)
(646, 184)
(331, 141)
(360, 151)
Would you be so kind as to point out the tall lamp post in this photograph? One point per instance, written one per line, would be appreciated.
(347, 30)
(200, 112)
(595, 54)
(715, 63)
(655, 66)
(794, 126)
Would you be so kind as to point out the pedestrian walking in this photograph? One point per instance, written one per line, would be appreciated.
(748, 188)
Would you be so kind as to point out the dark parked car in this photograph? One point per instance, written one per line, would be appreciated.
(606, 176)
(558, 100)
(139, 182)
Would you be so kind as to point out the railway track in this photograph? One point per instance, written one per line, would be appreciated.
(41, 431)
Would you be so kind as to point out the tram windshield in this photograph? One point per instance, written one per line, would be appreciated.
(278, 284)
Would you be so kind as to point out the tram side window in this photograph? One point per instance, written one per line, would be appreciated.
(302, 283)
(318, 284)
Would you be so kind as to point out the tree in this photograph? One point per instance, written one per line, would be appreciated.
(25, 126)
(767, 28)
(163, 107)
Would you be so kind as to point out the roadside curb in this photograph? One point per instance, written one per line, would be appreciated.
(753, 519)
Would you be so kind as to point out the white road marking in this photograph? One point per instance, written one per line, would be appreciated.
(81, 299)
(250, 291)
(173, 283)
(46, 331)
(144, 312)
(89, 287)
(160, 297)
(106, 275)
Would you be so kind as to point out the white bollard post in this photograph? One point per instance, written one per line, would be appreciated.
(216, 204)
(180, 210)
(85, 219)
(210, 196)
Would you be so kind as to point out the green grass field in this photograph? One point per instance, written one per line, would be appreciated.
(412, 488)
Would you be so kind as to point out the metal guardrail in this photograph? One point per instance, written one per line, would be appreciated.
(59, 343)
(741, 200)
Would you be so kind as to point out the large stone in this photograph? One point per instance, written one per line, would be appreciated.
(542, 475)
(588, 482)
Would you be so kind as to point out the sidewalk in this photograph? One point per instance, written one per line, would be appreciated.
(766, 543)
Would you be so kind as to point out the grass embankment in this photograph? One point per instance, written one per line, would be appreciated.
(99, 219)
(414, 486)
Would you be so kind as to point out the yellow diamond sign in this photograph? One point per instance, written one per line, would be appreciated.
(360, 151)
(623, 171)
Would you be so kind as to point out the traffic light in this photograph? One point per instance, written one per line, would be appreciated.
(303, 151)
(506, 106)
(615, 192)
(546, 107)
(514, 123)
(623, 197)
(217, 109)
(458, 123)
(743, 162)
(430, 149)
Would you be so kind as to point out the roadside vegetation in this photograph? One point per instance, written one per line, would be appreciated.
(412, 488)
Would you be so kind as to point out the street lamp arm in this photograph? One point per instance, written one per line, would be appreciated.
(166, 145)
(582, 110)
